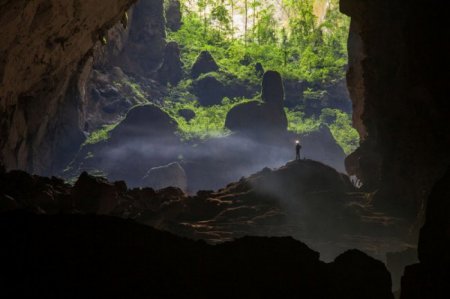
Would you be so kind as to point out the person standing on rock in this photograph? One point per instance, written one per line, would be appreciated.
(297, 150)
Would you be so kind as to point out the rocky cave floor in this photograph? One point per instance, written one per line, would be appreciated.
(305, 199)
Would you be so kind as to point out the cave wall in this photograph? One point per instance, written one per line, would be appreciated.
(399, 84)
(398, 51)
(45, 55)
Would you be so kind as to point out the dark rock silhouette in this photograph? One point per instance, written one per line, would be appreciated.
(209, 90)
(204, 63)
(104, 256)
(352, 276)
(272, 90)
(430, 277)
(322, 143)
(173, 15)
(144, 50)
(94, 195)
(144, 121)
(261, 118)
(171, 70)
(306, 199)
(259, 70)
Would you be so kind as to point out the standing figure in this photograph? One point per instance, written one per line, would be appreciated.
(297, 150)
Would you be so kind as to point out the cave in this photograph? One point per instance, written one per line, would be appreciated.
(109, 188)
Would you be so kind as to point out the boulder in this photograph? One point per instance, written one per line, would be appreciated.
(173, 15)
(124, 257)
(261, 118)
(204, 63)
(144, 48)
(171, 175)
(354, 272)
(94, 194)
(256, 118)
(171, 71)
(145, 121)
(209, 90)
(320, 145)
(187, 114)
(272, 90)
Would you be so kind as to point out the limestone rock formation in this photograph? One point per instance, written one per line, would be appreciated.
(204, 63)
(170, 175)
(94, 195)
(272, 89)
(144, 50)
(171, 71)
(305, 199)
(173, 15)
(56, 43)
(133, 259)
(352, 276)
(209, 90)
(144, 122)
(320, 145)
(391, 90)
(261, 118)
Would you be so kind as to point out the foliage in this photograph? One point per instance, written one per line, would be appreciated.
(208, 121)
(339, 122)
(340, 125)
(301, 48)
(100, 135)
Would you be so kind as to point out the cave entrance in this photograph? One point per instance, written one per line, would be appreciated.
(201, 68)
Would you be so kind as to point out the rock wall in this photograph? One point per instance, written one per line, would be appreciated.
(45, 53)
(398, 50)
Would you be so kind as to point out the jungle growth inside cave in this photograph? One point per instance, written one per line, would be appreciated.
(214, 56)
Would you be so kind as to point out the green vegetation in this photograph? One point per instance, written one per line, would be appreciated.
(100, 134)
(339, 122)
(303, 40)
(285, 36)
(208, 121)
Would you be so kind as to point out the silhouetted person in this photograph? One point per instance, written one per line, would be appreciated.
(297, 150)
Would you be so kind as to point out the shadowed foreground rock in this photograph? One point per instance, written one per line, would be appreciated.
(75, 256)
(304, 199)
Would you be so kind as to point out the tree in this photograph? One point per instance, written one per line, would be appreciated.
(220, 14)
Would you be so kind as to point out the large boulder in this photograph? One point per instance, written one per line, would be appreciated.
(209, 90)
(171, 175)
(355, 274)
(320, 145)
(204, 63)
(171, 70)
(173, 15)
(272, 90)
(261, 118)
(94, 194)
(144, 50)
(145, 122)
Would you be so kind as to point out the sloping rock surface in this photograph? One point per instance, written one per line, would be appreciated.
(304, 199)
(75, 256)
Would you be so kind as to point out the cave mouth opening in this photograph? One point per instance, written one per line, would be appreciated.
(200, 66)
